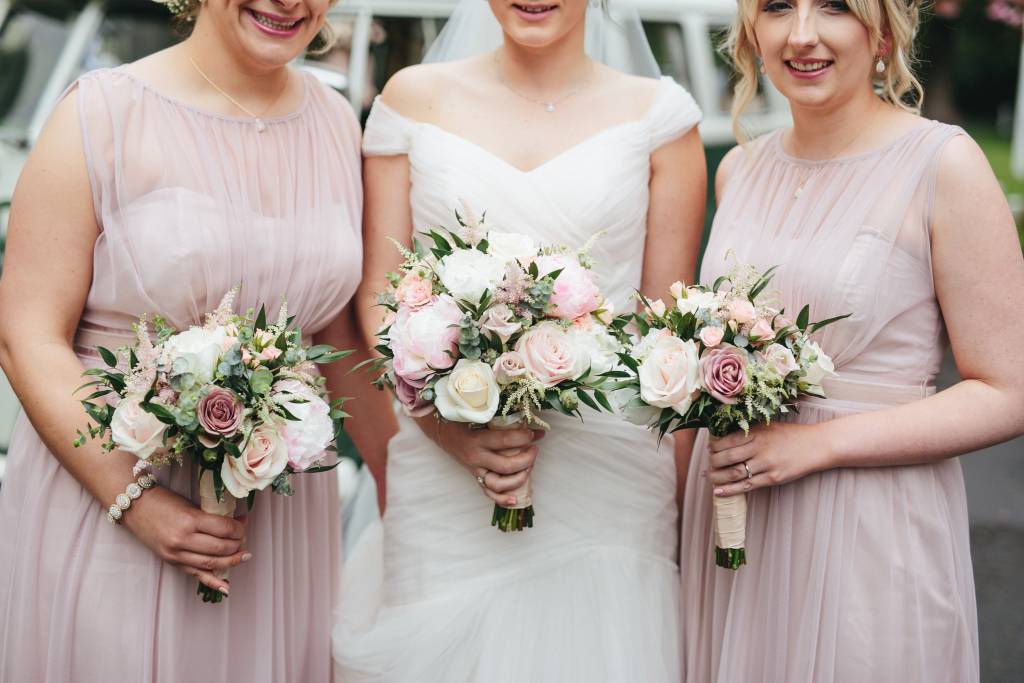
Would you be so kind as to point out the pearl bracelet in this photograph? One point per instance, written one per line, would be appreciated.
(132, 492)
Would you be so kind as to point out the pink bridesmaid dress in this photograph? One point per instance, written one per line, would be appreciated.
(853, 575)
(190, 203)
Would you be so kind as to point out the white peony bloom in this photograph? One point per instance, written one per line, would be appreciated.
(469, 394)
(510, 245)
(695, 300)
(309, 437)
(468, 273)
(199, 347)
(595, 348)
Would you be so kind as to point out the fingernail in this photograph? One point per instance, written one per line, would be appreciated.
(246, 557)
(719, 492)
(223, 590)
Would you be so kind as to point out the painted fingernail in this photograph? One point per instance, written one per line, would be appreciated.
(246, 557)
(719, 492)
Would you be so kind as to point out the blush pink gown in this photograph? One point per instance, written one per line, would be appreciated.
(190, 203)
(853, 575)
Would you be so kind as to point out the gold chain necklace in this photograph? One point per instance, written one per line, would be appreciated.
(549, 105)
(806, 175)
(257, 119)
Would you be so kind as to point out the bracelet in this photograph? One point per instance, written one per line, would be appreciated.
(132, 492)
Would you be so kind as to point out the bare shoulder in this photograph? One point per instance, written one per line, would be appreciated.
(965, 180)
(412, 91)
(638, 90)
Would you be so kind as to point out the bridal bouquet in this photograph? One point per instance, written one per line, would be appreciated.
(489, 328)
(721, 358)
(240, 397)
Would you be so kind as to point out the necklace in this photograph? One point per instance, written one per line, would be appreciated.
(549, 105)
(806, 175)
(257, 119)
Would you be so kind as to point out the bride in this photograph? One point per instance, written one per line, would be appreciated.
(550, 116)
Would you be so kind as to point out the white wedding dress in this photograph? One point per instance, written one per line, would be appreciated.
(434, 594)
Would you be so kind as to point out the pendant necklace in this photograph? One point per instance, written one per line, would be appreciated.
(550, 106)
(257, 119)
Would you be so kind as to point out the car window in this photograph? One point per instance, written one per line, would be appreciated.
(30, 45)
(669, 48)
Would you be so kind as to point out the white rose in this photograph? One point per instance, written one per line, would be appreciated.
(468, 273)
(136, 431)
(642, 348)
(595, 349)
(816, 364)
(308, 437)
(469, 394)
(780, 358)
(498, 320)
(265, 456)
(199, 347)
(628, 402)
(670, 377)
(510, 245)
(694, 300)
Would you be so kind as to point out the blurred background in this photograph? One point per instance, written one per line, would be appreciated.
(970, 63)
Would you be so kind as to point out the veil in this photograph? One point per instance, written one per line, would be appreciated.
(614, 37)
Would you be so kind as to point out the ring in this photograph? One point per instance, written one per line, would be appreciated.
(747, 468)
(480, 480)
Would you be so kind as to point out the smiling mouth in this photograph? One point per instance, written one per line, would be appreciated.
(279, 24)
(534, 9)
(809, 67)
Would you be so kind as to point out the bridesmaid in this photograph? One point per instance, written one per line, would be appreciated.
(857, 539)
(155, 188)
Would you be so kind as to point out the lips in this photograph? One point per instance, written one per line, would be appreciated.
(275, 24)
(808, 67)
(534, 11)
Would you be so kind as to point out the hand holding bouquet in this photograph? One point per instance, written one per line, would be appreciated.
(724, 359)
(489, 328)
(240, 397)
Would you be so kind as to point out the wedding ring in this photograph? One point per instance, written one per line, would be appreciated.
(480, 480)
(747, 468)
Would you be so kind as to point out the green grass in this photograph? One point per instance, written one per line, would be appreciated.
(997, 149)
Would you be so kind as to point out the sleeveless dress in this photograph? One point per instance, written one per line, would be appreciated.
(190, 203)
(590, 593)
(853, 574)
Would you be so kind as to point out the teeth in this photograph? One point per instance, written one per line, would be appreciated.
(809, 66)
(533, 10)
(270, 23)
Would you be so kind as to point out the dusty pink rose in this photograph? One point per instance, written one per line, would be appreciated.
(408, 394)
(509, 367)
(741, 311)
(425, 339)
(270, 353)
(762, 330)
(725, 372)
(574, 293)
(711, 336)
(220, 412)
(414, 291)
(498, 320)
(548, 354)
(265, 456)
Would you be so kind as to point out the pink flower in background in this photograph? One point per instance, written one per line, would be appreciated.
(220, 412)
(762, 330)
(548, 353)
(669, 377)
(407, 394)
(414, 291)
(711, 336)
(741, 311)
(308, 437)
(780, 358)
(498, 320)
(725, 372)
(425, 339)
(270, 353)
(264, 457)
(574, 293)
(509, 367)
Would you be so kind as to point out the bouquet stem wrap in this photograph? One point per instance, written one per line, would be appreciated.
(519, 516)
(730, 531)
(225, 507)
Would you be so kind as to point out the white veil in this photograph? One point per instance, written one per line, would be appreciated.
(614, 37)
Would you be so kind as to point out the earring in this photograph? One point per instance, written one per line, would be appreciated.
(761, 67)
(880, 66)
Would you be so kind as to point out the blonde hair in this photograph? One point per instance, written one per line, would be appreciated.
(897, 20)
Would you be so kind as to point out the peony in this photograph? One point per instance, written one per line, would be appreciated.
(780, 358)
(136, 431)
(498, 320)
(816, 364)
(468, 273)
(695, 300)
(196, 350)
(669, 378)
(469, 394)
(408, 394)
(220, 412)
(762, 330)
(426, 339)
(711, 336)
(574, 292)
(548, 354)
(414, 291)
(725, 372)
(308, 437)
(595, 348)
(509, 367)
(510, 245)
(264, 458)
(741, 311)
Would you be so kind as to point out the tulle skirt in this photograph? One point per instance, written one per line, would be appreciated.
(82, 600)
(852, 575)
(590, 593)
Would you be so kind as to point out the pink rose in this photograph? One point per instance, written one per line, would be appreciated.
(725, 372)
(669, 376)
(220, 412)
(414, 291)
(548, 354)
(509, 367)
(498, 321)
(425, 339)
(270, 353)
(135, 430)
(762, 330)
(782, 322)
(265, 456)
(711, 336)
(781, 358)
(408, 394)
(741, 311)
(574, 292)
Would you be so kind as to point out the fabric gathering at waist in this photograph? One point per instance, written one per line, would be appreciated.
(852, 390)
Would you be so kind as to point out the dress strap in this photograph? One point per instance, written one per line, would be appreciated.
(387, 132)
(671, 115)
